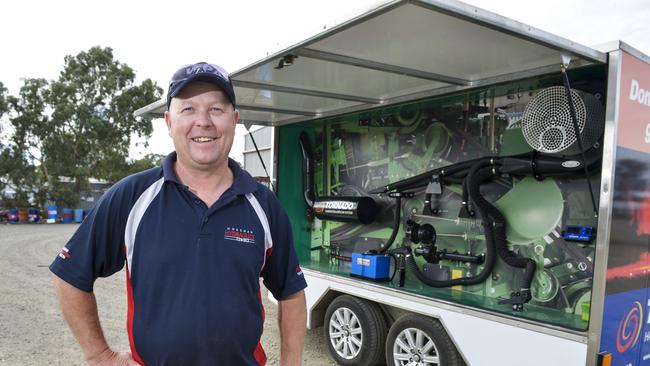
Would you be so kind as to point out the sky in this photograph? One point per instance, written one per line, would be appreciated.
(156, 37)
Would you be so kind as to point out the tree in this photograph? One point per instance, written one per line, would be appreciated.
(30, 124)
(93, 103)
(5, 157)
(147, 162)
(78, 126)
(3, 101)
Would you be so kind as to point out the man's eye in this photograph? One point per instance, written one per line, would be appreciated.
(186, 109)
(216, 109)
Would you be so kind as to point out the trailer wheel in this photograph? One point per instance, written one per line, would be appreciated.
(355, 330)
(418, 340)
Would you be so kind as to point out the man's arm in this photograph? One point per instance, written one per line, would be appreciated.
(292, 317)
(80, 312)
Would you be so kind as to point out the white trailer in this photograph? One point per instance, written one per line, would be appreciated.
(399, 102)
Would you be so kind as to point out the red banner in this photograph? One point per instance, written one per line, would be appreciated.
(634, 108)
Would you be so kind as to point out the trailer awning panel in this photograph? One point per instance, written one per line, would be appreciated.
(399, 51)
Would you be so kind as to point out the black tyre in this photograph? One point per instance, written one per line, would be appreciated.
(418, 340)
(355, 331)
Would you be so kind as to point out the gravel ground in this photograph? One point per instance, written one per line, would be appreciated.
(32, 329)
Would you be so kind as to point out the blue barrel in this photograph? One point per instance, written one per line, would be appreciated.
(79, 214)
(68, 215)
(52, 214)
(33, 215)
(12, 215)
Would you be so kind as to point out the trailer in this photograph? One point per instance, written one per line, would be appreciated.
(464, 189)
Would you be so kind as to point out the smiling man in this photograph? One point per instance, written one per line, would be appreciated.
(196, 235)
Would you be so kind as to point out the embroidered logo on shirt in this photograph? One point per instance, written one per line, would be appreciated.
(64, 253)
(298, 271)
(236, 234)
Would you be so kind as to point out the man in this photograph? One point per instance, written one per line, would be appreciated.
(195, 234)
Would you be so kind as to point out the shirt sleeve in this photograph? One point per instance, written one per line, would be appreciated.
(96, 249)
(282, 274)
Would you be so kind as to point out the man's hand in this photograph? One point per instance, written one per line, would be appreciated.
(111, 358)
(80, 312)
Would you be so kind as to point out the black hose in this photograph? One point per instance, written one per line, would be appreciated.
(523, 164)
(475, 172)
(549, 165)
(424, 178)
(490, 258)
(451, 179)
(495, 222)
(394, 268)
(479, 175)
(396, 224)
(572, 110)
(468, 178)
(307, 169)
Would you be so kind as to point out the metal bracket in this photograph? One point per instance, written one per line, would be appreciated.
(566, 60)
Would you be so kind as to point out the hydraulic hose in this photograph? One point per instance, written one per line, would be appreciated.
(396, 224)
(550, 165)
(423, 178)
(490, 258)
(576, 129)
(476, 175)
(466, 182)
(523, 164)
(307, 169)
(495, 222)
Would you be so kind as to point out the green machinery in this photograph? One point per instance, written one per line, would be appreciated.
(438, 233)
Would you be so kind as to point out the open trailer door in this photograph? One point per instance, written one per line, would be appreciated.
(411, 86)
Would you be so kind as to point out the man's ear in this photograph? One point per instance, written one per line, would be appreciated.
(235, 116)
(168, 121)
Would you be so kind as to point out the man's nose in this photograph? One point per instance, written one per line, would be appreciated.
(203, 119)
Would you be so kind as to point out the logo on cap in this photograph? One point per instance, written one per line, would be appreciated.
(201, 71)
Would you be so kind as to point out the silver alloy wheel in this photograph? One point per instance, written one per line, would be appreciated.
(414, 347)
(345, 333)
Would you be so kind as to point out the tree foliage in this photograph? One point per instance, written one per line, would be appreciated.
(76, 127)
(147, 162)
(3, 100)
(5, 158)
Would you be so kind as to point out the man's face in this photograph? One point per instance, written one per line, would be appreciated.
(201, 121)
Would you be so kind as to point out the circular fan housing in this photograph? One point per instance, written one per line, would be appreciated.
(547, 125)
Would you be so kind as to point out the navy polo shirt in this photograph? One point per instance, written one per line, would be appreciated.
(192, 271)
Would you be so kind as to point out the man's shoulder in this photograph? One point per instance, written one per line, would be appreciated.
(272, 206)
(264, 194)
(143, 178)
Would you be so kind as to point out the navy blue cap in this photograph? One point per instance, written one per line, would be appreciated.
(201, 71)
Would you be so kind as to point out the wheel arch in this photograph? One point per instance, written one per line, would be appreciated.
(389, 312)
(317, 311)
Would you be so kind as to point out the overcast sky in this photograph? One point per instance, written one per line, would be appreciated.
(156, 37)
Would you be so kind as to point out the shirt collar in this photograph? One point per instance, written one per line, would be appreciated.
(242, 181)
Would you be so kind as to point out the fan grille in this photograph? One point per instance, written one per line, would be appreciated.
(547, 125)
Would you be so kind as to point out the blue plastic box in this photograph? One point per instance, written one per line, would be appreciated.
(374, 267)
(578, 233)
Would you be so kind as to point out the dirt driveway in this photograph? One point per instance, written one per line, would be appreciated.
(32, 330)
